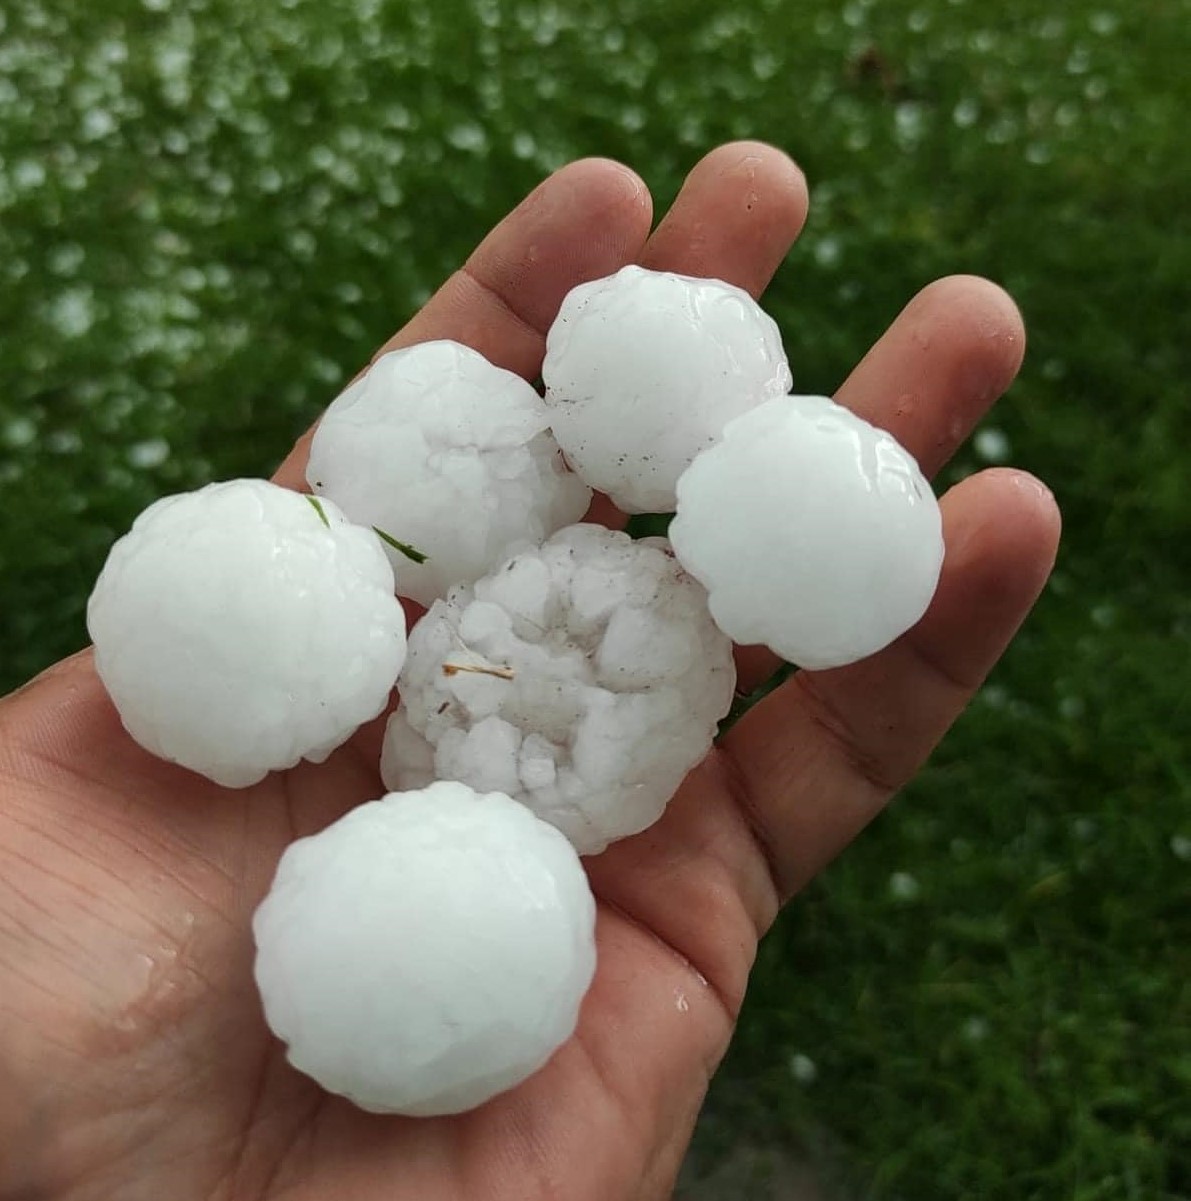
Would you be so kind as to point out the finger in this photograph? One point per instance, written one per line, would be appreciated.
(735, 218)
(799, 776)
(936, 371)
(929, 379)
(819, 758)
(587, 220)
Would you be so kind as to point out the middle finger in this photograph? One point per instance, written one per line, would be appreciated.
(735, 218)
(928, 380)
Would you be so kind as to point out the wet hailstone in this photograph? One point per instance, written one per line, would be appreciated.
(765, 64)
(1003, 130)
(148, 454)
(72, 313)
(858, 138)
(20, 432)
(1085, 829)
(904, 887)
(814, 532)
(445, 965)
(827, 250)
(238, 630)
(28, 174)
(691, 130)
(642, 371)
(468, 137)
(302, 244)
(446, 453)
(854, 15)
(909, 121)
(66, 258)
(584, 679)
(991, 444)
(64, 442)
(322, 157)
(1079, 61)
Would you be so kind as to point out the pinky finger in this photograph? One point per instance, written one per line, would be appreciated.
(820, 757)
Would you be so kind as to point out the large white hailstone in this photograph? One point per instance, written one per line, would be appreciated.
(584, 678)
(427, 951)
(813, 531)
(644, 369)
(448, 454)
(241, 628)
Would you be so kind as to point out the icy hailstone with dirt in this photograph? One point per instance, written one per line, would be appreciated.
(584, 678)
(814, 532)
(239, 629)
(448, 454)
(427, 951)
(643, 370)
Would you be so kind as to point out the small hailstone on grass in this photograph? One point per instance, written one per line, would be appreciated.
(643, 370)
(584, 679)
(448, 454)
(427, 951)
(814, 532)
(241, 628)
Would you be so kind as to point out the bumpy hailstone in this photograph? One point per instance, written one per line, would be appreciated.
(644, 369)
(584, 679)
(448, 454)
(814, 532)
(427, 951)
(239, 629)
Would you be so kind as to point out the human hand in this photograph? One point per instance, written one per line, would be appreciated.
(134, 1058)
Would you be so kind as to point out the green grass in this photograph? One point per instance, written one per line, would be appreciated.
(210, 214)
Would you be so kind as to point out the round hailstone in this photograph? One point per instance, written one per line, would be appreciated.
(644, 369)
(241, 628)
(449, 455)
(813, 531)
(427, 951)
(584, 679)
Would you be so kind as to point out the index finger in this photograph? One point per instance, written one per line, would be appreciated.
(585, 221)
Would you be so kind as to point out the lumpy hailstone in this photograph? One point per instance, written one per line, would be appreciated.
(814, 532)
(584, 679)
(238, 630)
(448, 454)
(643, 370)
(427, 951)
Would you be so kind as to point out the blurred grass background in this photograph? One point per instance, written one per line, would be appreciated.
(211, 211)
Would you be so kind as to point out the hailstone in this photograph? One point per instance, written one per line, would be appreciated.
(643, 370)
(241, 628)
(427, 951)
(448, 454)
(584, 678)
(813, 531)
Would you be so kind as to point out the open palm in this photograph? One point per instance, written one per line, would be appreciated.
(134, 1059)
